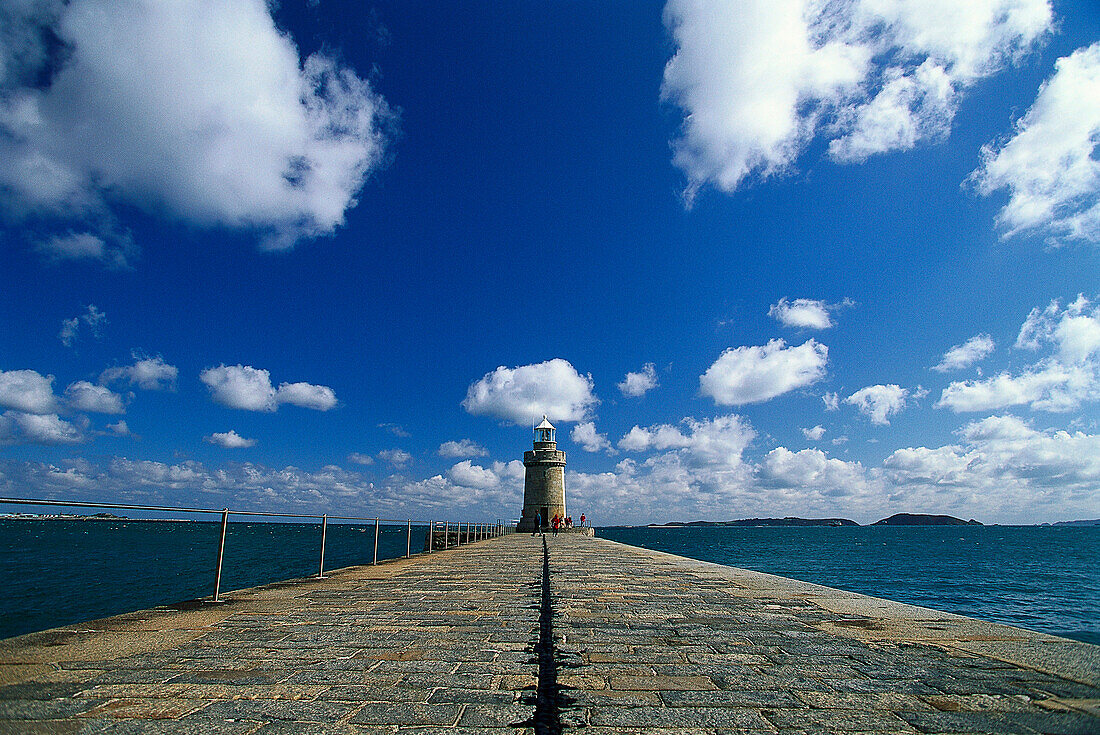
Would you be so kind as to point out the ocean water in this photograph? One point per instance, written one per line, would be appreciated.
(1042, 578)
(57, 572)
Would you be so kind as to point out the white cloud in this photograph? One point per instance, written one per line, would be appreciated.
(92, 317)
(468, 474)
(317, 397)
(811, 468)
(877, 402)
(1005, 468)
(113, 249)
(588, 438)
(85, 396)
(1050, 166)
(395, 429)
(802, 313)
(229, 439)
(637, 384)
(524, 394)
(717, 442)
(204, 111)
(118, 428)
(249, 389)
(150, 373)
(17, 427)
(814, 434)
(869, 75)
(462, 448)
(973, 350)
(27, 391)
(396, 457)
(240, 386)
(1063, 380)
(360, 458)
(754, 374)
(831, 401)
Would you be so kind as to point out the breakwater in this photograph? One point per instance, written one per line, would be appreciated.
(525, 634)
(1042, 578)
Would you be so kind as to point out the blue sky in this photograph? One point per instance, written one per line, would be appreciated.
(753, 259)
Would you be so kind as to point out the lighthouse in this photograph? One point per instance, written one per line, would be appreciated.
(543, 478)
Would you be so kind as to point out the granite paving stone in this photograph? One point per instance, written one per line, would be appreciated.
(618, 640)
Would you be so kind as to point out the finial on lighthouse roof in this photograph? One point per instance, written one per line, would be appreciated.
(545, 423)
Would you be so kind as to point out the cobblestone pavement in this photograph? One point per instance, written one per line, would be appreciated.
(440, 641)
(653, 643)
(614, 639)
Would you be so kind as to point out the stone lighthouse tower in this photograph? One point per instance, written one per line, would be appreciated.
(544, 479)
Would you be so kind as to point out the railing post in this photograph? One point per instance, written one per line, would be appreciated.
(375, 542)
(409, 540)
(221, 557)
(324, 532)
(446, 534)
(431, 536)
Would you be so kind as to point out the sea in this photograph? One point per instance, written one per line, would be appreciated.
(58, 572)
(1044, 578)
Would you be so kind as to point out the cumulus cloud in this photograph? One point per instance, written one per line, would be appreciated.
(638, 384)
(1061, 381)
(1005, 467)
(92, 318)
(973, 350)
(395, 429)
(28, 428)
(462, 448)
(149, 373)
(360, 458)
(1050, 166)
(810, 468)
(715, 442)
(805, 313)
(118, 429)
(831, 401)
(588, 438)
(317, 397)
(224, 125)
(249, 389)
(877, 402)
(814, 434)
(870, 76)
(85, 396)
(27, 391)
(524, 394)
(468, 474)
(229, 439)
(753, 374)
(396, 457)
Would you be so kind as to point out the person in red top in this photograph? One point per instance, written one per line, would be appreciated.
(556, 523)
(582, 520)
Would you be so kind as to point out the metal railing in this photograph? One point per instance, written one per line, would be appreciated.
(474, 531)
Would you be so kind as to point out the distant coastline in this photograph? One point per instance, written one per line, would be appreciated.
(898, 519)
(79, 517)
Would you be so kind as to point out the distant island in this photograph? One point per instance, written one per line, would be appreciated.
(1095, 522)
(920, 519)
(758, 522)
(898, 519)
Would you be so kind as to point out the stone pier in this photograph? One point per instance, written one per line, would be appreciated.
(525, 634)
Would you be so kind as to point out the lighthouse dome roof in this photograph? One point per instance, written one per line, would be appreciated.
(545, 423)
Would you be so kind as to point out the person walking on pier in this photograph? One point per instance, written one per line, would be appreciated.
(538, 525)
